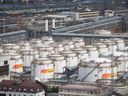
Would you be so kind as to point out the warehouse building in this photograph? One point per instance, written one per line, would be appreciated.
(83, 90)
(23, 88)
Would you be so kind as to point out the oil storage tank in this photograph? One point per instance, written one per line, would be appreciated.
(71, 58)
(120, 44)
(35, 43)
(58, 48)
(68, 45)
(45, 50)
(15, 63)
(92, 51)
(101, 47)
(111, 45)
(59, 64)
(42, 68)
(81, 54)
(101, 68)
(122, 62)
(47, 40)
(78, 42)
(28, 55)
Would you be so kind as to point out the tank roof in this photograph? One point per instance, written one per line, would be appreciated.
(26, 86)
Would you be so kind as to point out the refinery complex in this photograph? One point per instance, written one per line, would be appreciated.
(64, 48)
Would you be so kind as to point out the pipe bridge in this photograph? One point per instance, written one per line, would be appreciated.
(106, 23)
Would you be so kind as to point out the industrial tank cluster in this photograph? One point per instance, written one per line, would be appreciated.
(47, 58)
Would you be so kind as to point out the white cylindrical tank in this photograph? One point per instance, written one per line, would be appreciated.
(9, 45)
(11, 48)
(92, 71)
(122, 63)
(45, 51)
(114, 54)
(36, 43)
(81, 54)
(16, 63)
(47, 40)
(77, 39)
(25, 43)
(107, 54)
(16, 47)
(10, 51)
(92, 51)
(28, 57)
(36, 54)
(66, 48)
(59, 64)
(68, 45)
(102, 48)
(1, 50)
(112, 47)
(58, 48)
(118, 53)
(25, 46)
(43, 69)
(120, 44)
(71, 58)
(78, 42)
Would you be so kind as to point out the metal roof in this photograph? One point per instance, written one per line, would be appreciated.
(56, 16)
(79, 87)
(26, 86)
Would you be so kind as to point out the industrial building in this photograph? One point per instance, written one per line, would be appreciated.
(23, 88)
(116, 12)
(83, 90)
(88, 14)
(81, 15)
(105, 4)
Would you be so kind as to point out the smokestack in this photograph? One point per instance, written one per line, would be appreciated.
(46, 25)
(53, 23)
